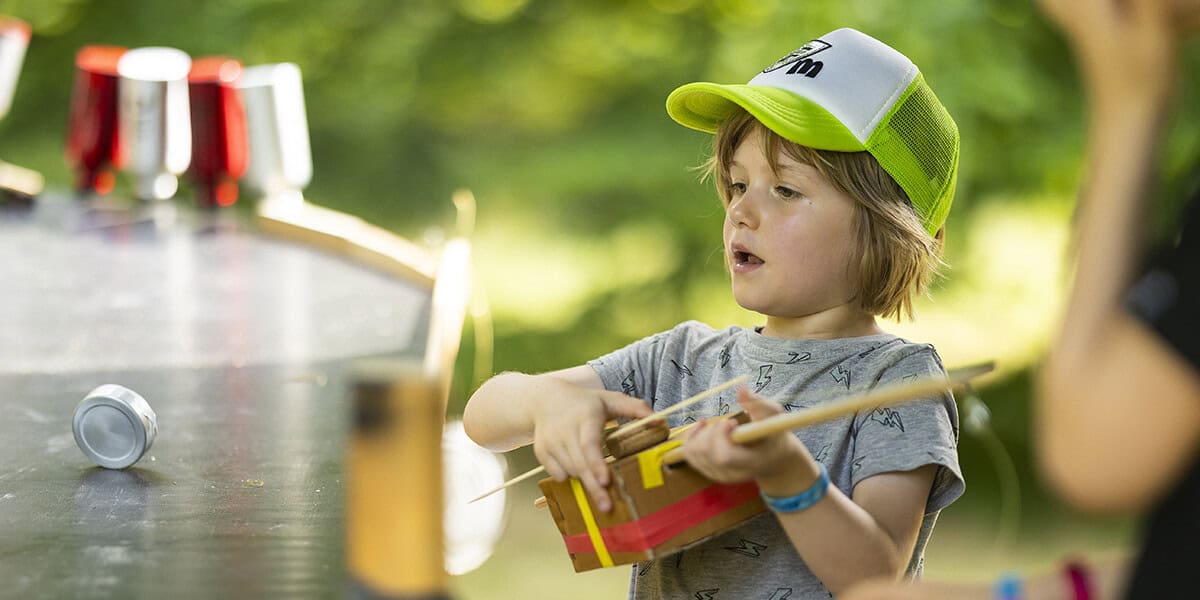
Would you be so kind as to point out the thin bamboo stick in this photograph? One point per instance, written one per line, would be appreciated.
(892, 394)
(515, 480)
(680, 405)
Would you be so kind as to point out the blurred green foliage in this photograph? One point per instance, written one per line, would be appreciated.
(594, 229)
(552, 112)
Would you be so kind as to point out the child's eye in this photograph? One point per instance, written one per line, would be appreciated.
(786, 193)
(737, 188)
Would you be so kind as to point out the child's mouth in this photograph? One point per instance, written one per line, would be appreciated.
(741, 259)
(745, 258)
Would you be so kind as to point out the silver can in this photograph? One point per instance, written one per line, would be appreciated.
(154, 119)
(277, 127)
(114, 426)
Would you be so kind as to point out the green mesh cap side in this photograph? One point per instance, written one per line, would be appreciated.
(917, 144)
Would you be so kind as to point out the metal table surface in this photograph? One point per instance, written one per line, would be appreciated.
(240, 343)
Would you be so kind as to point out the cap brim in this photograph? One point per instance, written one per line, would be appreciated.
(704, 106)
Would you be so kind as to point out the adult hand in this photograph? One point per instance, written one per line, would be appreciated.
(1126, 49)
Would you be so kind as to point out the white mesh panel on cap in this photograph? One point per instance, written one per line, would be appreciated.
(858, 81)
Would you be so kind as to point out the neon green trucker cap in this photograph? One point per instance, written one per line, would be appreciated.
(848, 92)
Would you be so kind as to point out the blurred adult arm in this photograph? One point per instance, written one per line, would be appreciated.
(1118, 409)
(1106, 579)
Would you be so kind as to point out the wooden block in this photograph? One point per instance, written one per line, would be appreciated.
(632, 441)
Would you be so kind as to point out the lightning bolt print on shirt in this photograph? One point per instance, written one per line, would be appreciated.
(764, 378)
(756, 560)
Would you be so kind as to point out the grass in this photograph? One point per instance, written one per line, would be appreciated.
(530, 562)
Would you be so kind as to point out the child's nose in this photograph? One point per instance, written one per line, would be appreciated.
(744, 211)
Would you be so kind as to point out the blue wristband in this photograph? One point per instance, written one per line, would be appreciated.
(1008, 587)
(803, 500)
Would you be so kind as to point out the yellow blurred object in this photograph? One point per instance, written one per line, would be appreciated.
(394, 481)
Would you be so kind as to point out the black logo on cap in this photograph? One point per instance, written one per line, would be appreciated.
(801, 60)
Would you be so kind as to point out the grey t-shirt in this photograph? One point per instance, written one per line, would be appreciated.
(757, 560)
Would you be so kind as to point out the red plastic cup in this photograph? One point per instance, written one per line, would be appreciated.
(219, 146)
(92, 133)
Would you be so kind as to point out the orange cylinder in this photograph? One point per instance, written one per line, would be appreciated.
(394, 483)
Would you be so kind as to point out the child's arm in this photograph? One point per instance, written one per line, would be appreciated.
(843, 540)
(1118, 409)
(562, 412)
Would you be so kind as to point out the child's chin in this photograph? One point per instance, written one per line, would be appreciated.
(750, 303)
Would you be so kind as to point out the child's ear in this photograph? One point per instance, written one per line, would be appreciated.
(939, 240)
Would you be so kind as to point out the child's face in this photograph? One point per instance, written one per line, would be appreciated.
(789, 239)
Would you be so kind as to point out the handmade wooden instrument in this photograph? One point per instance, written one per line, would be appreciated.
(661, 505)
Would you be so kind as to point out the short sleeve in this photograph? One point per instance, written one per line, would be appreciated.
(1166, 294)
(632, 370)
(911, 435)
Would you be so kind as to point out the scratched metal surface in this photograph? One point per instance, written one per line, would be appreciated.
(240, 344)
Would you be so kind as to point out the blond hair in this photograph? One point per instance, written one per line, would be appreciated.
(898, 258)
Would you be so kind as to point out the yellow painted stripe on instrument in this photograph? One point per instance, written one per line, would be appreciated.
(589, 522)
(650, 463)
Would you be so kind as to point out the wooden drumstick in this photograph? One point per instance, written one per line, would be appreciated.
(892, 394)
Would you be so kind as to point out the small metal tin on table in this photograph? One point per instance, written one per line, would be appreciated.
(114, 426)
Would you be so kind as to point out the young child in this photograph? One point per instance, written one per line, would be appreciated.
(836, 167)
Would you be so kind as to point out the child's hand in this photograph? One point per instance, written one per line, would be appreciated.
(567, 435)
(781, 457)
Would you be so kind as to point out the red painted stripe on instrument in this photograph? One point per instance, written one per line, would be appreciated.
(663, 524)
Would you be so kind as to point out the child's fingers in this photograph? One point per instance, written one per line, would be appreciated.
(620, 405)
(694, 430)
(553, 468)
(711, 451)
(595, 463)
(696, 445)
(597, 492)
(593, 458)
(756, 406)
(587, 477)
